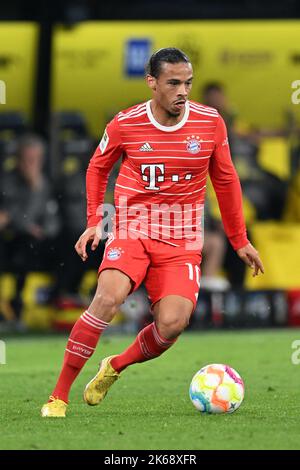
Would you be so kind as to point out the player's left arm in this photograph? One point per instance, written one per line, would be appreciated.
(227, 186)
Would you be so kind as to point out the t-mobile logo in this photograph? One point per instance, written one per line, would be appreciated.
(153, 174)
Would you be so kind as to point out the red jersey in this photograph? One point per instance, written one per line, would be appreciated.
(160, 189)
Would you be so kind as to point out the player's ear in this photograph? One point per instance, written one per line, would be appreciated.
(151, 82)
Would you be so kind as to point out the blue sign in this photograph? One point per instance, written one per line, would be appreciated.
(137, 54)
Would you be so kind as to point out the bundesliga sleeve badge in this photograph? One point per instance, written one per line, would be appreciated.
(104, 141)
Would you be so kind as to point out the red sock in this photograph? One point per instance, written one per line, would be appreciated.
(147, 345)
(80, 347)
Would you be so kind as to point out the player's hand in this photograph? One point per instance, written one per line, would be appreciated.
(91, 235)
(251, 257)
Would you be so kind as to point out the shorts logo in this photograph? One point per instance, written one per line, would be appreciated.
(192, 144)
(114, 253)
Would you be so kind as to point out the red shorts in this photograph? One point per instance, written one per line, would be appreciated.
(164, 269)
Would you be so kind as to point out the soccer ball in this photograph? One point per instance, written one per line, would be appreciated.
(217, 388)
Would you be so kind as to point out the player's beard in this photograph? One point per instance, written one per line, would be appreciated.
(173, 114)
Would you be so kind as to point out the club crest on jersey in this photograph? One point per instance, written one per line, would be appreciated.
(114, 253)
(192, 144)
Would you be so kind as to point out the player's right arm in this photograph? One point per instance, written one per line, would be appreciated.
(105, 156)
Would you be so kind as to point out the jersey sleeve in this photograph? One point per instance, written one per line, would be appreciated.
(228, 189)
(105, 156)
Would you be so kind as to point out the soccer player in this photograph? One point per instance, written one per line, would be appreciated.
(168, 146)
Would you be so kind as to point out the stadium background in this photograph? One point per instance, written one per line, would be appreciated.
(70, 67)
(66, 67)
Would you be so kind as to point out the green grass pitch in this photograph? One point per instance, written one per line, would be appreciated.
(149, 407)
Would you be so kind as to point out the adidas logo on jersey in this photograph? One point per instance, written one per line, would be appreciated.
(146, 147)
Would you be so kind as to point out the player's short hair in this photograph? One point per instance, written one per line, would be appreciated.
(171, 55)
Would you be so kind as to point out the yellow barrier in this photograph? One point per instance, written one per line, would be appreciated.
(18, 51)
(274, 156)
(97, 66)
(278, 246)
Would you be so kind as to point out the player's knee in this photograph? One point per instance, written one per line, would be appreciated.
(104, 305)
(107, 302)
(173, 326)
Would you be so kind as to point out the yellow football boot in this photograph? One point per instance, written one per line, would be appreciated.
(98, 387)
(55, 408)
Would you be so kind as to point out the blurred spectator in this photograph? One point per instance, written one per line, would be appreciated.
(71, 269)
(264, 191)
(28, 216)
(213, 94)
(71, 147)
(214, 249)
(292, 208)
